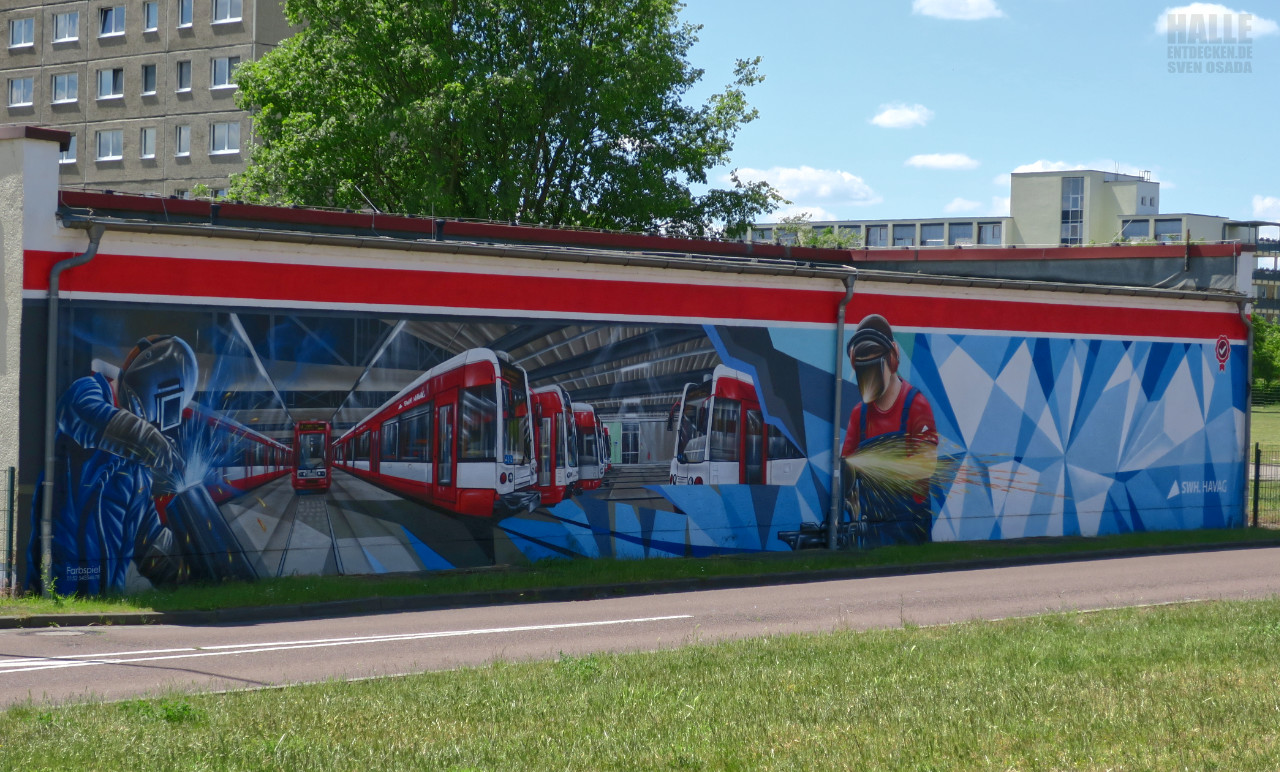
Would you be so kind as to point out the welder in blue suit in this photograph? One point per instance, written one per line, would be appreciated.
(116, 451)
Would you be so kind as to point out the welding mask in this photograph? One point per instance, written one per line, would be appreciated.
(158, 380)
(874, 361)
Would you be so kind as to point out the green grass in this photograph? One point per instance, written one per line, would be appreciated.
(1172, 687)
(1264, 425)
(567, 573)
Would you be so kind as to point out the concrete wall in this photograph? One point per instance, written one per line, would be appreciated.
(1035, 206)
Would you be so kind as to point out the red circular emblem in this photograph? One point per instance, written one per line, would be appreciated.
(1223, 351)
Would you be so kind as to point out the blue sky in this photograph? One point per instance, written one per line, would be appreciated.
(969, 90)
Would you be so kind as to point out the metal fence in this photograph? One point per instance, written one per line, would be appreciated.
(1264, 486)
(8, 533)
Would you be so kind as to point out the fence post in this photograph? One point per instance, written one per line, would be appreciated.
(1257, 479)
(9, 582)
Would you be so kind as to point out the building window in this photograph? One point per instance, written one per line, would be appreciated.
(150, 16)
(184, 76)
(988, 233)
(68, 156)
(960, 234)
(66, 88)
(182, 140)
(1072, 210)
(184, 13)
(111, 21)
(66, 26)
(148, 79)
(904, 235)
(21, 91)
(22, 33)
(224, 138)
(1135, 229)
(111, 145)
(223, 71)
(147, 142)
(111, 83)
(220, 192)
(850, 231)
(1168, 230)
(931, 235)
(226, 10)
(762, 234)
(877, 235)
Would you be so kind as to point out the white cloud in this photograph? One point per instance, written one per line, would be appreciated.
(809, 188)
(1000, 206)
(960, 205)
(965, 10)
(901, 116)
(1226, 22)
(1002, 179)
(1048, 166)
(815, 213)
(1266, 207)
(942, 161)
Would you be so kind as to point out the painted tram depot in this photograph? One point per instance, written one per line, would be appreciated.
(241, 391)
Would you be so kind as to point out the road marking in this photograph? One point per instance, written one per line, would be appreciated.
(30, 664)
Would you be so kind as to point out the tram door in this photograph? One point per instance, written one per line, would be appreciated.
(753, 453)
(444, 487)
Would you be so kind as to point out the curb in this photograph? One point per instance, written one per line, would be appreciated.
(403, 603)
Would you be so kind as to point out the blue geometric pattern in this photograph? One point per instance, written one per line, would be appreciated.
(1054, 437)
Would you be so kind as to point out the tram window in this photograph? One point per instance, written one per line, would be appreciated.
(362, 447)
(310, 450)
(781, 447)
(693, 431)
(478, 438)
(724, 429)
(390, 431)
(571, 436)
(415, 435)
(517, 438)
(587, 447)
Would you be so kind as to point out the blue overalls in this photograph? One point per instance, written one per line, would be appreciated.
(103, 510)
(888, 516)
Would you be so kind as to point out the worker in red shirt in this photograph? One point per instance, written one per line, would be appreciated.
(890, 445)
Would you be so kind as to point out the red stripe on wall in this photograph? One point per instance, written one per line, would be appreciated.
(266, 284)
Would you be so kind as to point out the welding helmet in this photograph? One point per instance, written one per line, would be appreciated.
(874, 356)
(158, 379)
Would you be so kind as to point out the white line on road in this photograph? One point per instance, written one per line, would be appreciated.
(29, 664)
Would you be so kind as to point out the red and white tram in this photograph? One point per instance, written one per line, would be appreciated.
(557, 435)
(722, 439)
(311, 456)
(593, 456)
(460, 437)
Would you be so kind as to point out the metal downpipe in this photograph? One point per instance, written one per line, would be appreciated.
(51, 403)
(833, 514)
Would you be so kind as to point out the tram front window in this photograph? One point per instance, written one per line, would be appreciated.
(311, 451)
(517, 432)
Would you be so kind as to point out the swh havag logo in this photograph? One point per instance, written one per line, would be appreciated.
(1210, 43)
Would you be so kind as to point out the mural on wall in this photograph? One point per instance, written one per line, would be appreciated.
(199, 444)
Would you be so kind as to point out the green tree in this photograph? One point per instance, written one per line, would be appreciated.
(562, 112)
(804, 234)
(1266, 349)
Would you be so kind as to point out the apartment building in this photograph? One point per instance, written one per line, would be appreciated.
(1062, 208)
(145, 87)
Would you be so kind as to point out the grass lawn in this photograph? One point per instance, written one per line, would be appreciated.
(1264, 425)
(1171, 687)
(588, 572)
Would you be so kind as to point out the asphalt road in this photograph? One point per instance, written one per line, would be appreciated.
(66, 664)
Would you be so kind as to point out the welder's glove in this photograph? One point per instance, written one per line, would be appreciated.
(133, 438)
